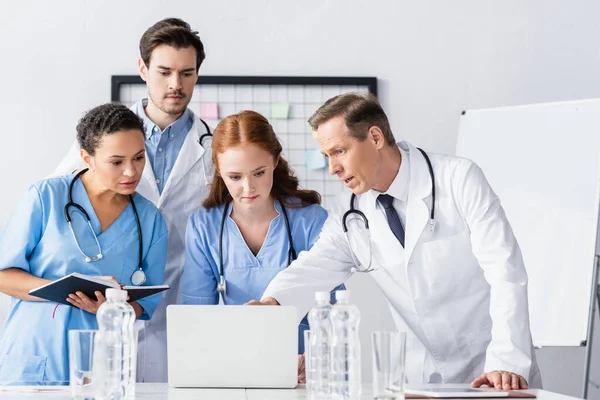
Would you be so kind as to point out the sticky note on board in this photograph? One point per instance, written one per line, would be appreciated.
(209, 111)
(314, 133)
(315, 160)
(280, 110)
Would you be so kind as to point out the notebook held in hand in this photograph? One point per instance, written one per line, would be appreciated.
(59, 290)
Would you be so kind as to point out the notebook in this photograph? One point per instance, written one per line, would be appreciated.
(59, 290)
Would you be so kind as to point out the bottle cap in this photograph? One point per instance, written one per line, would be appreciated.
(343, 295)
(322, 296)
(116, 294)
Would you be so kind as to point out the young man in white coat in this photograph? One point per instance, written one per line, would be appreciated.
(446, 259)
(179, 170)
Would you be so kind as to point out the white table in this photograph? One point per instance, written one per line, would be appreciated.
(161, 391)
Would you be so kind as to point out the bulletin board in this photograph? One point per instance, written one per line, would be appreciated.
(287, 102)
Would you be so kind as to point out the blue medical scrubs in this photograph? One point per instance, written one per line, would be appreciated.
(37, 239)
(246, 275)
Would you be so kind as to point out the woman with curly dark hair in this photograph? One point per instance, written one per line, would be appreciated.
(93, 223)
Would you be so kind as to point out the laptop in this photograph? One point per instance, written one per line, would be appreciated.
(232, 346)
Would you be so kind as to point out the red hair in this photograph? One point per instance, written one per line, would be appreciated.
(251, 127)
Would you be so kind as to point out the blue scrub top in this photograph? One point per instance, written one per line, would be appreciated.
(37, 239)
(246, 275)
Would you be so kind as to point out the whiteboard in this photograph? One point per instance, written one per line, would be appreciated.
(543, 162)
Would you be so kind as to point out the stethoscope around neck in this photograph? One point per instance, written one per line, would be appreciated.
(357, 265)
(207, 134)
(138, 277)
(201, 139)
(222, 285)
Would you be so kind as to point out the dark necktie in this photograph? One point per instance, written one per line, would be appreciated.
(394, 222)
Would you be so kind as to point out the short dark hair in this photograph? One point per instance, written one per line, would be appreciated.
(173, 32)
(361, 111)
(103, 120)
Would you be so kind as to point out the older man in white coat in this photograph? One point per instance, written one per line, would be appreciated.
(441, 250)
(179, 170)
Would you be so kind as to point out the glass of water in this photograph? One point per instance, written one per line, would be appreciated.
(389, 356)
(81, 354)
(308, 367)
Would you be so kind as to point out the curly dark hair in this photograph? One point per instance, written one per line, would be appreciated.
(172, 32)
(103, 120)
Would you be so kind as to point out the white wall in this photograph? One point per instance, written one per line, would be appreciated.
(433, 59)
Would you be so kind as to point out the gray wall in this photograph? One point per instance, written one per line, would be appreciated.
(433, 59)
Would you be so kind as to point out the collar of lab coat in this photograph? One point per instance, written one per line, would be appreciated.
(400, 185)
(188, 156)
(418, 193)
(417, 210)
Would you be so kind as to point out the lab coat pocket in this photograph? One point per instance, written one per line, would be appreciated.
(444, 256)
(477, 342)
(21, 369)
(446, 260)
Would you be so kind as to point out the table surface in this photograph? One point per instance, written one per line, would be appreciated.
(162, 391)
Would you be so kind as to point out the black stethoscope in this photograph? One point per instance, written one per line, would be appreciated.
(201, 139)
(357, 265)
(221, 285)
(208, 133)
(138, 277)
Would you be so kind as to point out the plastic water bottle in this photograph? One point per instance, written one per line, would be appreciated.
(345, 349)
(115, 348)
(318, 381)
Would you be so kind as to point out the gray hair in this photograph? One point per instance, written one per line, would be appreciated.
(361, 111)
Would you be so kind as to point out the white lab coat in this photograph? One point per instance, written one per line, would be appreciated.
(459, 292)
(182, 194)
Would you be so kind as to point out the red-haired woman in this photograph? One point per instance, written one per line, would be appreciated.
(255, 221)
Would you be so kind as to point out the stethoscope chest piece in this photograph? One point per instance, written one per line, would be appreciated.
(138, 278)
(222, 285)
(93, 258)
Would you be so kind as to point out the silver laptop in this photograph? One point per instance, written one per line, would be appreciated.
(232, 346)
